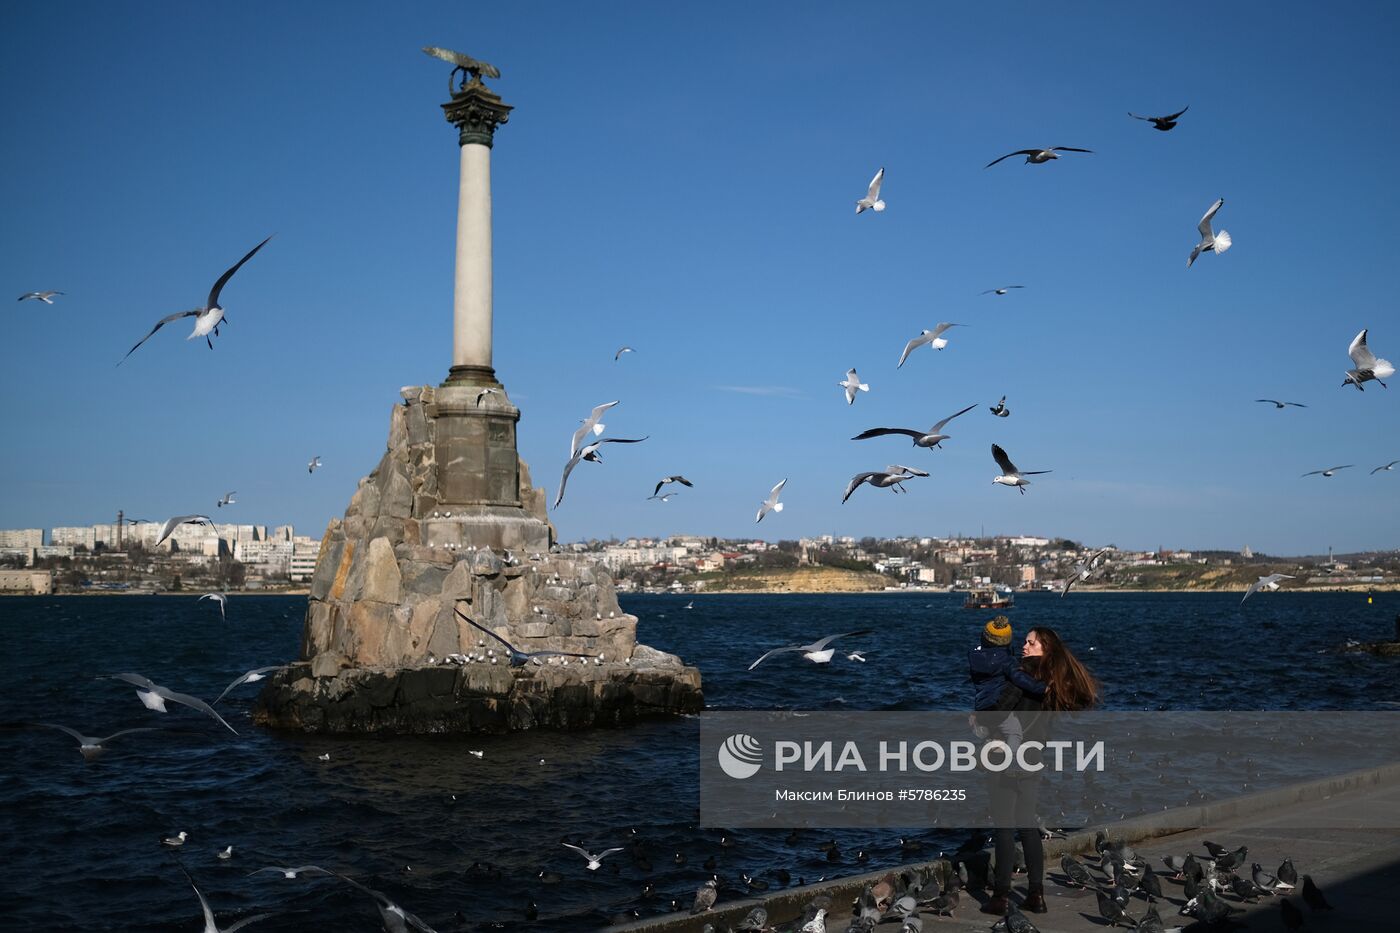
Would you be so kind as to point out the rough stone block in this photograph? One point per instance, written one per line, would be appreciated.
(328, 664)
(398, 428)
(381, 577)
(342, 571)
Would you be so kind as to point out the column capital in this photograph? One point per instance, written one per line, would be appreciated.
(476, 111)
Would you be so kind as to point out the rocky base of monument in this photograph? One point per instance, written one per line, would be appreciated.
(481, 697)
(1386, 649)
(391, 641)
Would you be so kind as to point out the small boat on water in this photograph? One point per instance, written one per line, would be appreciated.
(987, 598)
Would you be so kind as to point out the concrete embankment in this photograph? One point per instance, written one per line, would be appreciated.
(1356, 862)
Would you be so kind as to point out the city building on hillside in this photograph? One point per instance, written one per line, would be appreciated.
(21, 537)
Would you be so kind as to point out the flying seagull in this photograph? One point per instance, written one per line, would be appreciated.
(1280, 405)
(207, 318)
(663, 497)
(89, 747)
(1010, 476)
(312, 464)
(489, 390)
(1000, 409)
(872, 201)
(219, 598)
(771, 504)
(618, 355)
(589, 453)
(1037, 156)
(591, 423)
(153, 697)
(1387, 468)
(817, 652)
(518, 658)
(172, 523)
(851, 385)
(1162, 123)
(209, 925)
(227, 499)
(1270, 583)
(889, 478)
(1083, 570)
(1210, 241)
(45, 297)
(1367, 366)
(252, 677)
(933, 338)
(1001, 291)
(293, 872)
(593, 860)
(671, 479)
(394, 917)
(1329, 471)
(934, 437)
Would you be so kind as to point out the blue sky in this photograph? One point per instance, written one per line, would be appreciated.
(681, 178)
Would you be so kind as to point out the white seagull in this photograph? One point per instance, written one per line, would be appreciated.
(872, 201)
(1001, 291)
(621, 350)
(933, 338)
(593, 860)
(1270, 583)
(518, 658)
(889, 478)
(1083, 570)
(312, 464)
(209, 925)
(1010, 476)
(1329, 471)
(1210, 241)
(589, 453)
(219, 598)
(227, 499)
(591, 423)
(153, 697)
(671, 479)
(1387, 468)
(934, 437)
(1281, 405)
(852, 385)
(1367, 366)
(664, 497)
(771, 504)
(45, 297)
(489, 390)
(252, 677)
(1000, 409)
(172, 523)
(207, 318)
(90, 747)
(394, 917)
(293, 872)
(176, 840)
(817, 652)
(1037, 156)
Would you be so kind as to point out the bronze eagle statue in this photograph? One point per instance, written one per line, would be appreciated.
(464, 62)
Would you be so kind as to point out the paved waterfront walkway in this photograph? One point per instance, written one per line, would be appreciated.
(1356, 866)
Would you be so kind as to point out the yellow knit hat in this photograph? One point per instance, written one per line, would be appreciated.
(998, 631)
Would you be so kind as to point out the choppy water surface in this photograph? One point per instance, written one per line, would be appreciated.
(82, 840)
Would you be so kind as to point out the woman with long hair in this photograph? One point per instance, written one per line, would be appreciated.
(1069, 686)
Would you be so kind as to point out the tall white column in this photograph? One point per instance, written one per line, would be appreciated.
(471, 295)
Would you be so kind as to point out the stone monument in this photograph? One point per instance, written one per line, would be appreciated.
(448, 531)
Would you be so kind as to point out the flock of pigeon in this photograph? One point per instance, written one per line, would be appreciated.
(1214, 886)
